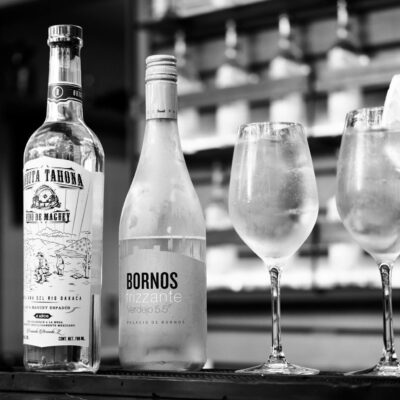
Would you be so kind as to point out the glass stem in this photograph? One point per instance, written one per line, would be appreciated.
(276, 353)
(389, 354)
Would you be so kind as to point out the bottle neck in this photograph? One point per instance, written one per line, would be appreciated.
(161, 134)
(64, 99)
(161, 100)
(231, 42)
(180, 49)
(284, 33)
(343, 23)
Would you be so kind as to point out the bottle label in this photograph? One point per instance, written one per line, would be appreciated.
(162, 300)
(59, 92)
(58, 272)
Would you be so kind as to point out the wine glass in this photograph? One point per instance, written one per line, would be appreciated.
(273, 204)
(368, 201)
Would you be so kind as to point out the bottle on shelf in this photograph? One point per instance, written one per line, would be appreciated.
(344, 54)
(63, 222)
(163, 9)
(216, 212)
(222, 258)
(230, 116)
(189, 82)
(343, 256)
(217, 4)
(162, 241)
(287, 64)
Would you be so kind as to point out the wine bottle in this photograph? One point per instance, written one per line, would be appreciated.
(63, 222)
(162, 275)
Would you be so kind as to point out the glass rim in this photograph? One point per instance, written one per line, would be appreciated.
(272, 124)
(363, 110)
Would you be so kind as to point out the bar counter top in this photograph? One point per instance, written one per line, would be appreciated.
(116, 384)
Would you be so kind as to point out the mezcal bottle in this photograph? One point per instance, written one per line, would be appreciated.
(162, 243)
(63, 222)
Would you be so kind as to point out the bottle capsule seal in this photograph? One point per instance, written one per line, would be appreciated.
(161, 67)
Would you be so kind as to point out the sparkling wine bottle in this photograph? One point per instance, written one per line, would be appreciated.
(63, 222)
(162, 275)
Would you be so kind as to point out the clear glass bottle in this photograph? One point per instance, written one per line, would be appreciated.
(63, 222)
(162, 313)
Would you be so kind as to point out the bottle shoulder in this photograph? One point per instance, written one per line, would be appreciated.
(72, 140)
(158, 207)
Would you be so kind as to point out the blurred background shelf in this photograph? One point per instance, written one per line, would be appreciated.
(264, 90)
(371, 76)
(325, 233)
(209, 150)
(249, 17)
(374, 75)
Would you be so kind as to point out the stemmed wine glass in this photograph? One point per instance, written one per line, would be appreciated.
(273, 204)
(368, 201)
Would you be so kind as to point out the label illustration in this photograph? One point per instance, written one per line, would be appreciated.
(58, 92)
(163, 293)
(57, 252)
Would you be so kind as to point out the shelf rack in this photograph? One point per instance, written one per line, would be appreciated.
(263, 15)
(250, 17)
(264, 90)
(319, 147)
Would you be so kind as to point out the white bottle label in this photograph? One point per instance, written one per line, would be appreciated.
(57, 252)
(162, 301)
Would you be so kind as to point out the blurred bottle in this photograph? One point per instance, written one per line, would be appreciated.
(189, 82)
(216, 212)
(222, 259)
(287, 64)
(343, 55)
(230, 116)
(18, 77)
(161, 9)
(342, 256)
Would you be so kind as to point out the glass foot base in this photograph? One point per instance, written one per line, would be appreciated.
(278, 368)
(380, 369)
